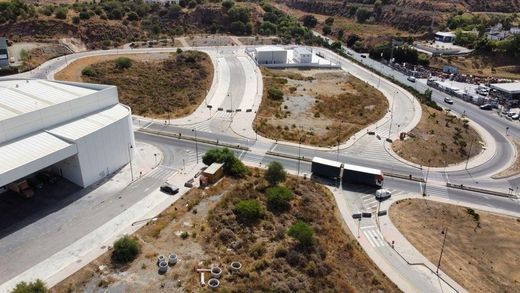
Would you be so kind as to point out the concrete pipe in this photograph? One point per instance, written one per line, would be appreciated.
(236, 266)
(216, 272)
(160, 259)
(213, 283)
(163, 267)
(172, 259)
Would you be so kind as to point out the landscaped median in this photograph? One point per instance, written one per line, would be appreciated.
(480, 250)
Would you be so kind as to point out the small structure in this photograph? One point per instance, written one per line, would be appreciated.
(445, 37)
(507, 93)
(4, 56)
(270, 55)
(302, 55)
(214, 172)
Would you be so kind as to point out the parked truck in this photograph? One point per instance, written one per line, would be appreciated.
(326, 168)
(22, 188)
(362, 175)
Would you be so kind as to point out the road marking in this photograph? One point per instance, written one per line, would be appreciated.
(374, 237)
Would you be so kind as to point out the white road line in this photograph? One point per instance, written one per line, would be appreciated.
(369, 238)
(368, 227)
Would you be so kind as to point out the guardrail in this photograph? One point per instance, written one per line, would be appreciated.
(480, 190)
(191, 138)
(288, 156)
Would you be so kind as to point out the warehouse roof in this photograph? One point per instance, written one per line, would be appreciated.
(20, 96)
(512, 88)
(301, 50)
(270, 48)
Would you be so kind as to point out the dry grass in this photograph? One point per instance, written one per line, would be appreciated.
(335, 264)
(42, 54)
(492, 66)
(514, 169)
(482, 255)
(319, 106)
(440, 139)
(169, 88)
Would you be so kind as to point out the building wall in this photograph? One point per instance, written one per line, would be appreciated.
(302, 58)
(271, 57)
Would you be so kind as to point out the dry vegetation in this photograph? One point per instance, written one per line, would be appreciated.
(492, 66)
(41, 54)
(271, 260)
(440, 139)
(481, 251)
(318, 106)
(171, 87)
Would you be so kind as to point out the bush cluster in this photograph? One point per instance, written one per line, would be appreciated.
(249, 210)
(232, 165)
(302, 232)
(279, 197)
(126, 249)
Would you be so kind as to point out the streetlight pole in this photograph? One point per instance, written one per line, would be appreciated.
(445, 232)
(469, 153)
(426, 181)
(392, 115)
(196, 144)
(299, 157)
(130, 147)
(507, 130)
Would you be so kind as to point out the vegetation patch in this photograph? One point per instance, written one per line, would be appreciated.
(317, 107)
(440, 139)
(481, 249)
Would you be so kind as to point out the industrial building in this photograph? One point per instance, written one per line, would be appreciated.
(270, 55)
(78, 131)
(4, 56)
(507, 93)
(302, 55)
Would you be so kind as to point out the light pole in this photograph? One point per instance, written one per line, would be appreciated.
(183, 165)
(391, 115)
(507, 130)
(445, 232)
(469, 153)
(426, 181)
(196, 144)
(130, 147)
(299, 157)
(155, 157)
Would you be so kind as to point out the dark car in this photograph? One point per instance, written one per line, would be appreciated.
(169, 189)
(486, 107)
(448, 100)
(47, 177)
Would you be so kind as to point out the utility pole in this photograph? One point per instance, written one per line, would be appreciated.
(299, 156)
(392, 115)
(130, 147)
(426, 181)
(196, 144)
(469, 153)
(445, 232)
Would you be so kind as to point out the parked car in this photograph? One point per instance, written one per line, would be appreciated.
(411, 78)
(515, 117)
(169, 189)
(382, 194)
(486, 107)
(363, 56)
(448, 100)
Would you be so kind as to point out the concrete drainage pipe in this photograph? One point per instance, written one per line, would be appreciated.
(172, 259)
(163, 267)
(216, 272)
(213, 283)
(236, 266)
(160, 259)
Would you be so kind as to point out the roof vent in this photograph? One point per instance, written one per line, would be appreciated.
(16, 85)
(26, 81)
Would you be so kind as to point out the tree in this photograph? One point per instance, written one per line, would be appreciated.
(309, 21)
(88, 71)
(278, 198)
(275, 173)
(237, 28)
(327, 29)
(249, 210)
(362, 14)
(232, 165)
(227, 4)
(125, 250)
(329, 21)
(132, 16)
(84, 15)
(302, 232)
(61, 13)
(274, 93)
(123, 63)
(33, 287)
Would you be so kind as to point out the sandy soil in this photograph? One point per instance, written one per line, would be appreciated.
(481, 254)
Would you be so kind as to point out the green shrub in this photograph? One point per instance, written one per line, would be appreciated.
(302, 232)
(123, 62)
(88, 71)
(84, 15)
(61, 13)
(275, 94)
(278, 198)
(185, 235)
(33, 287)
(125, 250)
(249, 210)
(275, 173)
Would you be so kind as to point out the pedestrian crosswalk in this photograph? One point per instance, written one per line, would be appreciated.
(370, 148)
(162, 172)
(374, 236)
(218, 123)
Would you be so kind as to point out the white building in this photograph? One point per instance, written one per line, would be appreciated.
(270, 55)
(302, 55)
(79, 131)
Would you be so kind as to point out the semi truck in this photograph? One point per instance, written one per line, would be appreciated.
(22, 188)
(326, 168)
(362, 175)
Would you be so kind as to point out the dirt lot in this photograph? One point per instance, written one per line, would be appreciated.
(440, 139)
(271, 260)
(152, 86)
(481, 252)
(318, 106)
(492, 66)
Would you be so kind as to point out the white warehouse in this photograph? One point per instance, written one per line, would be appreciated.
(77, 130)
(270, 55)
(302, 55)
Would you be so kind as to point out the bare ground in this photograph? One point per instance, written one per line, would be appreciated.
(440, 139)
(271, 260)
(319, 107)
(481, 252)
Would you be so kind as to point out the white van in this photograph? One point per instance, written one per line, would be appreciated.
(383, 194)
